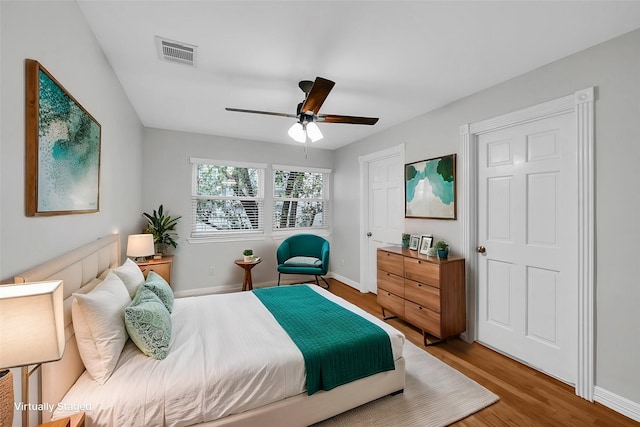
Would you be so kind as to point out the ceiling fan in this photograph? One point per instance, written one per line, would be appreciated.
(307, 112)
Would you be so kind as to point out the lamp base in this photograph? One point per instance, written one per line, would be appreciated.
(6, 397)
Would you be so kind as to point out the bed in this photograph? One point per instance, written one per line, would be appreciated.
(267, 399)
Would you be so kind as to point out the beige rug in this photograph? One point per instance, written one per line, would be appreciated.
(435, 395)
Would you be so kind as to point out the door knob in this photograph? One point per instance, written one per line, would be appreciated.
(481, 249)
(369, 234)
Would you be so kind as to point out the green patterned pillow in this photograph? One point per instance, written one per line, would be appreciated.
(149, 324)
(161, 288)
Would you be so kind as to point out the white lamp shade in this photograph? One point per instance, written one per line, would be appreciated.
(31, 323)
(297, 132)
(313, 132)
(140, 245)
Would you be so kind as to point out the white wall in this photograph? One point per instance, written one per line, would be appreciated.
(167, 180)
(614, 68)
(56, 35)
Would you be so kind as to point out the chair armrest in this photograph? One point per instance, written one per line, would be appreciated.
(283, 253)
(325, 257)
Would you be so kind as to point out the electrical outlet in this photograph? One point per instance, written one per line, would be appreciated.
(212, 271)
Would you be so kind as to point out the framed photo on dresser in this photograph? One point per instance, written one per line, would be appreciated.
(426, 241)
(414, 242)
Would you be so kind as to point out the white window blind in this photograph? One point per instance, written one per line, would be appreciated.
(300, 198)
(227, 198)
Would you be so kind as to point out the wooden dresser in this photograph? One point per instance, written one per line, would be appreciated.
(425, 291)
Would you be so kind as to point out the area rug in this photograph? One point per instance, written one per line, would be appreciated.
(435, 395)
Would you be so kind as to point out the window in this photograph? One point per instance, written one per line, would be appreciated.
(300, 197)
(227, 198)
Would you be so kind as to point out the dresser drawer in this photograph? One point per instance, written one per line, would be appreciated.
(422, 294)
(391, 302)
(390, 262)
(422, 271)
(390, 282)
(164, 270)
(423, 318)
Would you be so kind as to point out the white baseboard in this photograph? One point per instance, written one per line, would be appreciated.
(619, 404)
(355, 285)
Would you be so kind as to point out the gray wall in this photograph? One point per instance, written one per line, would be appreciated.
(33, 30)
(614, 68)
(167, 180)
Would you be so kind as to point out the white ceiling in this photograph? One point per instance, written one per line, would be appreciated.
(390, 59)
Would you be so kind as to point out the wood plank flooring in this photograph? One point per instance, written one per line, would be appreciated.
(527, 397)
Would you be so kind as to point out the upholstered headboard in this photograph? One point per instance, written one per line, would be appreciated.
(76, 269)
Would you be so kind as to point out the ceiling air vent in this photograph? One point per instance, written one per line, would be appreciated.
(171, 50)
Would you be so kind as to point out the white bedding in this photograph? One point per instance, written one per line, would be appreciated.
(227, 355)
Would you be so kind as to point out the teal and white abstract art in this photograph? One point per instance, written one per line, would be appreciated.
(67, 149)
(430, 188)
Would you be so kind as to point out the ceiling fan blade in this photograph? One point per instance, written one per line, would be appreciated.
(354, 120)
(319, 92)
(270, 113)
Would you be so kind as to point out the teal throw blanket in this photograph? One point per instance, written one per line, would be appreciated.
(338, 345)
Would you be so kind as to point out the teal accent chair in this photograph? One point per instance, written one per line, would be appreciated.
(304, 254)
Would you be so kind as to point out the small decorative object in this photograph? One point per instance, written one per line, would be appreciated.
(248, 255)
(432, 251)
(443, 249)
(62, 167)
(430, 188)
(163, 229)
(405, 240)
(414, 242)
(425, 243)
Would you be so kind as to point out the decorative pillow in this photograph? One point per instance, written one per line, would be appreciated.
(131, 275)
(149, 324)
(161, 288)
(99, 326)
(303, 261)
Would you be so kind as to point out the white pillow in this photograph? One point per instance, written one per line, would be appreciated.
(98, 321)
(131, 275)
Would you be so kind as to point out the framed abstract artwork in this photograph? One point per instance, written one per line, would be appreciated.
(430, 188)
(62, 163)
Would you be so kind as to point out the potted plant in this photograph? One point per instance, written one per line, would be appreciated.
(163, 229)
(405, 240)
(443, 249)
(248, 255)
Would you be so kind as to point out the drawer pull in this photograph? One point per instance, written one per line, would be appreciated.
(420, 307)
(388, 294)
(388, 274)
(419, 285)
(419, 262)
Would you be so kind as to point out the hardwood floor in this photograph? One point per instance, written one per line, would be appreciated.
(527, 397)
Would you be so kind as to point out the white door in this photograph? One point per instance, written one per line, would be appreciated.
(527, 223)
(385, 211)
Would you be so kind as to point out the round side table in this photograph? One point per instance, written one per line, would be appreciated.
(247, 284)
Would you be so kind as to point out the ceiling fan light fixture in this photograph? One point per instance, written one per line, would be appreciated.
(313, 132)
(297, 132)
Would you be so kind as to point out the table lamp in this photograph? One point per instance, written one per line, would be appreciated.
(31, 332)
(140, 246)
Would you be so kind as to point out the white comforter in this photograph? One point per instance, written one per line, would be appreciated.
(227, 355)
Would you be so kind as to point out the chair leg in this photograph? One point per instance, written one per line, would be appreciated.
(279, 278)
(323, 279)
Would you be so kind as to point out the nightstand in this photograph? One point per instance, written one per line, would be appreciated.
(75, 420)
(160, 266)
